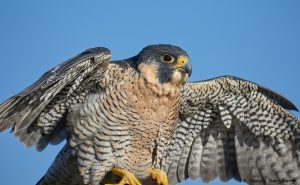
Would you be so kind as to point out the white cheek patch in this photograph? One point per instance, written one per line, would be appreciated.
(185, 77)
(178, 77)
(149, 73)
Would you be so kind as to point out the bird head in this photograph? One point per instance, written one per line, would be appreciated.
(165, 62)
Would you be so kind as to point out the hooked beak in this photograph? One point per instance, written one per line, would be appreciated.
(183, 65)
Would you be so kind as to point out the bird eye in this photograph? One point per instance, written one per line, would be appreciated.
(168, 58)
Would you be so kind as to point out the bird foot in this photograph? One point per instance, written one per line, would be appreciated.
(159, 176)
(127, 177)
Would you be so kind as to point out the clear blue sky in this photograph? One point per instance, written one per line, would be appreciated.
(256, 40)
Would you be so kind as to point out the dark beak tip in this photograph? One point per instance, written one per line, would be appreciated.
(188, 69)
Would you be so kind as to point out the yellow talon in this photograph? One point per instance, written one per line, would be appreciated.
(159, 176)
(127, 177)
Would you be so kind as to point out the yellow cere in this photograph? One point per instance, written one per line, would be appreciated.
(181, 61)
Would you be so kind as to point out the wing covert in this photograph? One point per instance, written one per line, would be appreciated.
(37, 114)
(233, 128)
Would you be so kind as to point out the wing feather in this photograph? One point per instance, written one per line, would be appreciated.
(234, 128)
(37, 114)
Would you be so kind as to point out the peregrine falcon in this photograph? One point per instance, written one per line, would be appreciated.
(138, 121)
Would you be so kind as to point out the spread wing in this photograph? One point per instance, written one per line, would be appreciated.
(233, 128)
(37, 114)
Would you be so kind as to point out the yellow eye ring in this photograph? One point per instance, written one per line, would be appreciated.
(168, 58)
